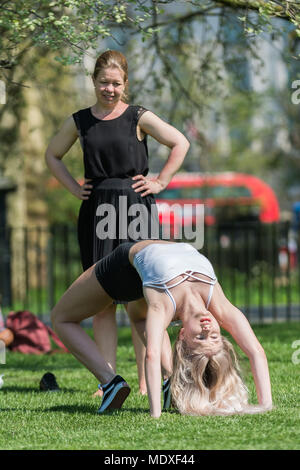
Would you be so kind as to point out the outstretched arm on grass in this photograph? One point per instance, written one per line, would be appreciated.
(232, 320)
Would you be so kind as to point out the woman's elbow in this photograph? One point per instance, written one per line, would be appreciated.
(54, 316)
(257, 352)
(152, 355)
(49, 156)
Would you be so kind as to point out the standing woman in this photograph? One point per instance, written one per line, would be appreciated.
(113, 137)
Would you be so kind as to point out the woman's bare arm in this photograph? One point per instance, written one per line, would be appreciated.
(169, 136)
(159, 316)
(233, 321)
(57, 148)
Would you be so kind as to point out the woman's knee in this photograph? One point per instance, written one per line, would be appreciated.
(106, 313)
(55, 316)
(137, 310)
(59, 315)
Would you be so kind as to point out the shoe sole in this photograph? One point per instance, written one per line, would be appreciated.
(118, 400)
(167, 404)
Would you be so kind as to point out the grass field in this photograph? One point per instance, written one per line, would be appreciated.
(35, 420)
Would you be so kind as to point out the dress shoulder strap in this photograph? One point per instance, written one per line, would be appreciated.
(76, 119)
(82, 118)
(139, 111)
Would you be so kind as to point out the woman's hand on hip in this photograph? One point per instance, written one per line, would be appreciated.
(147, 186)
(84, 191)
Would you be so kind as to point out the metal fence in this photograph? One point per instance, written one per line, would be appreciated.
(257, 266)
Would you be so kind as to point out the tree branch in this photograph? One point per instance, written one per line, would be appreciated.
(285, 10)
(169, 69)
(282, 9)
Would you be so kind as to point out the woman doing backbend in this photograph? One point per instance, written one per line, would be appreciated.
(178, 283)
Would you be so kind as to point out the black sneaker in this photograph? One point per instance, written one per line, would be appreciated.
(48, 383)
(166, 389)
(114, 394)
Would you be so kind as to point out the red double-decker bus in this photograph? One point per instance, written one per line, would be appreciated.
(226, 197)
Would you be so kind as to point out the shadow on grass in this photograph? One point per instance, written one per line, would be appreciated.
(72, 409)
(21, 389)
(29, 365)
(80, 409)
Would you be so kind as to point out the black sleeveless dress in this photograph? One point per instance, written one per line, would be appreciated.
(114, 212)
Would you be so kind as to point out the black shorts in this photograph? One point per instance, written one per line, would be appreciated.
(118, 277)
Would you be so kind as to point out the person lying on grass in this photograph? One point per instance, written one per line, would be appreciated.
(204, 374)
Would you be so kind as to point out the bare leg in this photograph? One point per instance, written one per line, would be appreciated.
(137, 312)
(84, 298)
(106, 337)
(106, 334)
(140, 353)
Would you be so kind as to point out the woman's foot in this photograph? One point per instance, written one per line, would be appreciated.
(99, 393)
(142, 387)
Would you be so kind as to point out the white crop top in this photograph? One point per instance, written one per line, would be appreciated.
(159, 263)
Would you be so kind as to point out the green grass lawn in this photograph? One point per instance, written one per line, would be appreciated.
(35, 420)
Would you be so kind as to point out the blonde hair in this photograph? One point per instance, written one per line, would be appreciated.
(110, 59)
(203, 384)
